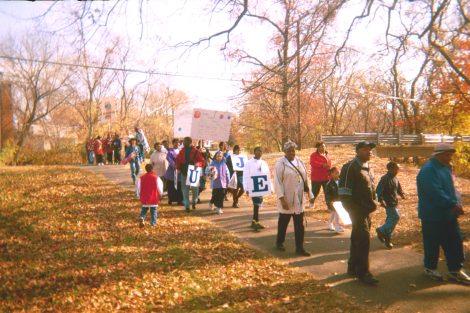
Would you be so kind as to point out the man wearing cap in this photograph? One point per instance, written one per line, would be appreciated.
(439, 207)
(356, 192)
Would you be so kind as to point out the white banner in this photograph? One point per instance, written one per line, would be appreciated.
(182, 124)
(211, 125)
(193, 176)
(342, 213)
(259, 185)
(238, 161)
(202, 124)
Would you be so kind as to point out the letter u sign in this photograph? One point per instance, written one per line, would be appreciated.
(193, 176)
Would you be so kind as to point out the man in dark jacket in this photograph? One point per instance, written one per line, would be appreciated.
(189, 155)
(356, 192)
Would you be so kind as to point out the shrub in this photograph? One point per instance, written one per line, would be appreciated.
(63, 155)
(461, 160)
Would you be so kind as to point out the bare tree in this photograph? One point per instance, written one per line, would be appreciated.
(39, 87)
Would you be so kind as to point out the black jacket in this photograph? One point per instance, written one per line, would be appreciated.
(388, 190)
(356, 188)
(331, 194)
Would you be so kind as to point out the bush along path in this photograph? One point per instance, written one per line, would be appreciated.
(70, 242)
(402, 288)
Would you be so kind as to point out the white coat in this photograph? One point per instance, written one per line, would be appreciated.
(159, 162)
(289, 184)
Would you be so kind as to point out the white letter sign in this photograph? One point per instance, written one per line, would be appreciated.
(193, 176)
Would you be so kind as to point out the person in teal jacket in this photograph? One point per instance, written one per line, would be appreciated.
(438, 208)
(133, 151)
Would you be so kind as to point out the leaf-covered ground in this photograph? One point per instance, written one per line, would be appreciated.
(69, 242)
(408, 230)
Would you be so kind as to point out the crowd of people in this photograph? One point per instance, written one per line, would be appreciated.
(180, 172)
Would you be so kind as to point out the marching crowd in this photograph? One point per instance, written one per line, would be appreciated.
(181, 172)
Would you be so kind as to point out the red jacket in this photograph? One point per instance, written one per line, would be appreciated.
(98, 147)
(149, 189)
(318, 172)
(195, 157)
(109, 145)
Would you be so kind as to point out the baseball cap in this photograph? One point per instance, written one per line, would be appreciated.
(441, 148)
(364, 144)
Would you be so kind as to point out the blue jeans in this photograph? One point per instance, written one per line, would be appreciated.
(185, 188)
(393, 216)
(91, 157)
(445, 234)
(153, 214)
(135, 169)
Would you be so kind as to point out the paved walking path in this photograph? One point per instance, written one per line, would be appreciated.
(402, 288)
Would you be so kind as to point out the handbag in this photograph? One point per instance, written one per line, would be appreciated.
(306, 189)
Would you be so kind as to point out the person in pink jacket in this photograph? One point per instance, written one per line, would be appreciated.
(319, 166)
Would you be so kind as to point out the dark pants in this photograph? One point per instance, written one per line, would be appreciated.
(99, 158)
(360, 242)
(444, 234)
(117, 156)
(257, 202)
(174, 195)
(316, 185)
(218, 197)
(109, 156)
(141, 152)
(299, 229)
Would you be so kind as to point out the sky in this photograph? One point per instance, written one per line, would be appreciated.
(211, 80)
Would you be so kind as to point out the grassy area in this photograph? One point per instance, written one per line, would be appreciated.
(69, 242)
(408, 231)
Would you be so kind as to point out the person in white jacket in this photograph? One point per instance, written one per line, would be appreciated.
(160, 163)
(254, 167)
(290, 184)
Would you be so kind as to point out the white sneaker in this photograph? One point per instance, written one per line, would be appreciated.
(331, 227)
(219, 211)
(433, 274)
(211, 206)
(459, 277)
(339, 229)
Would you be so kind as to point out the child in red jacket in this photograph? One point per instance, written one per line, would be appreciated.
(149, 190)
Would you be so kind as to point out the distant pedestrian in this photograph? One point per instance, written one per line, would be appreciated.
(90, 149)
(142, 143)
(175, 194)
(189, 155)
(319, 166)
(290, 184)
(388, 190)
(99, 152)
(254, 167)
(132, 153)
(357, 194)
(117, 147)
(439, 207)
(220, 181)
(149, 190)
(108, 146)
(332, 196)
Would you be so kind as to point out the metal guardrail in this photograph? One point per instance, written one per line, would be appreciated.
(393, 139)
